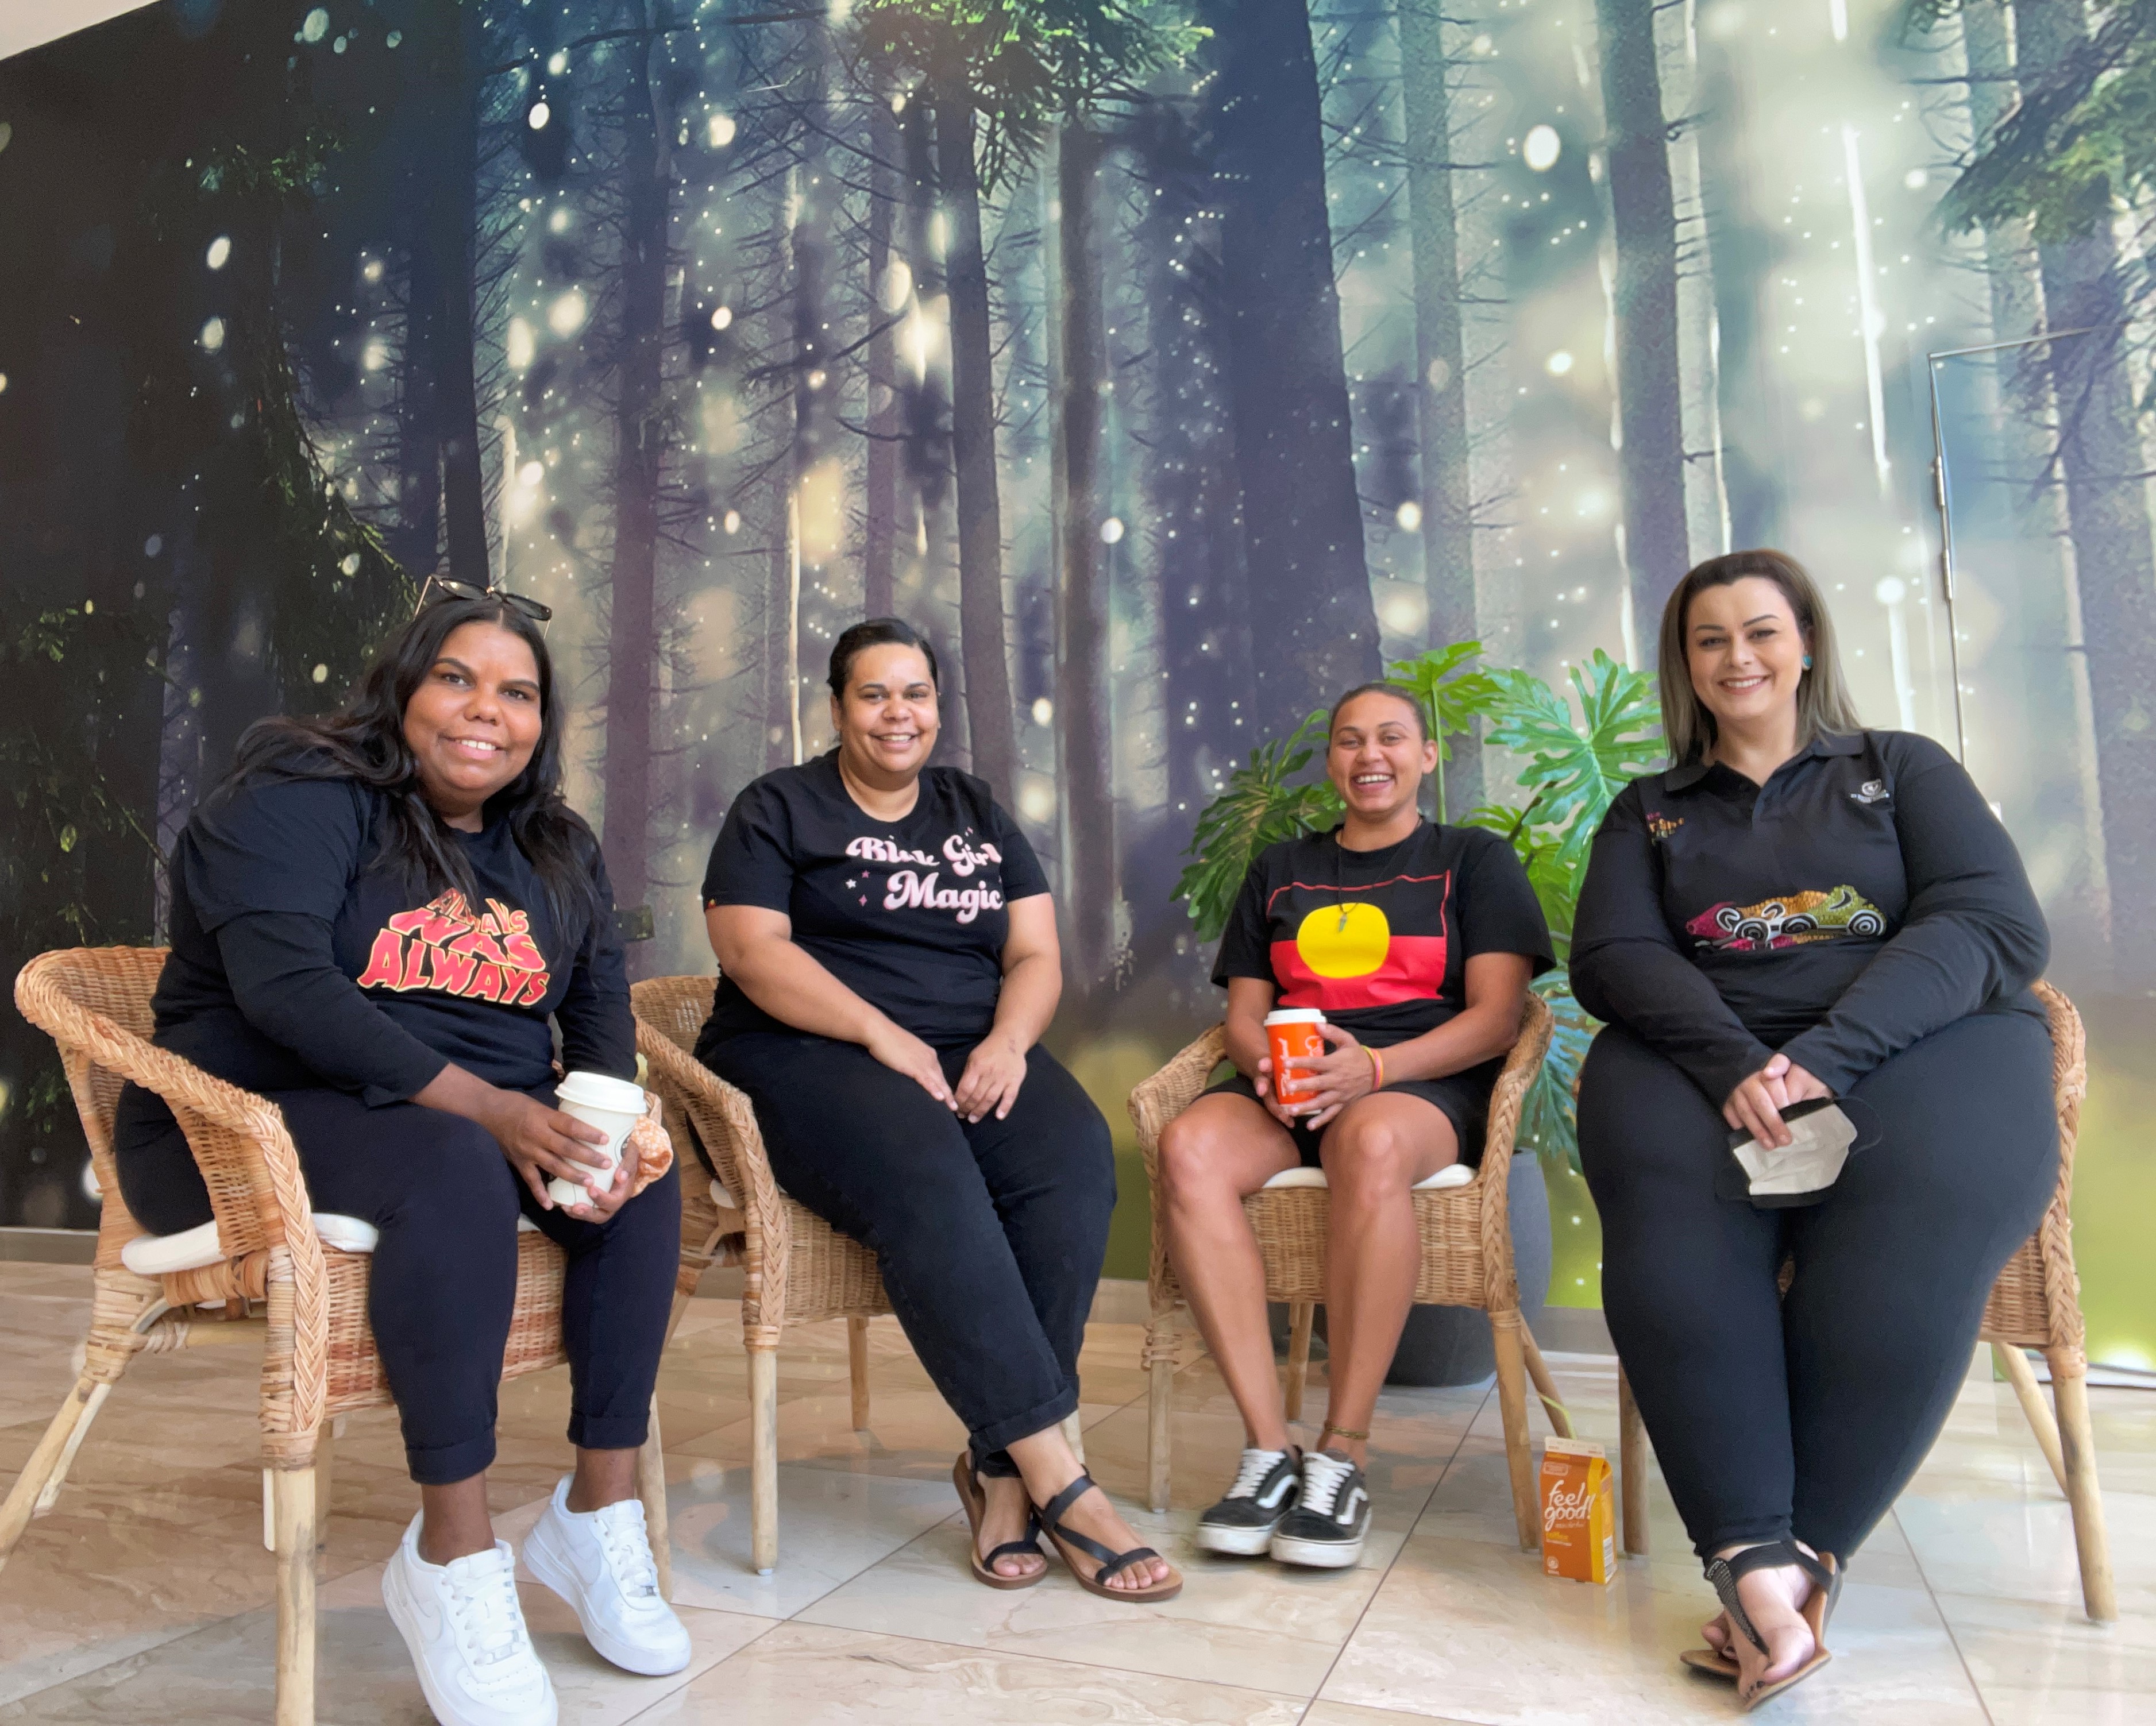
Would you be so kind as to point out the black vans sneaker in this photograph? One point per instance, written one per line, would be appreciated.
(1264, 1491)
(1327, 1528)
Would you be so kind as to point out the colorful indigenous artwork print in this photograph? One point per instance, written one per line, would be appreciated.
(1384, 947)
(1789, 920)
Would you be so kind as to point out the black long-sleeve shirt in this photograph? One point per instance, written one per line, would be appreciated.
(298, 961)
(1863, 898)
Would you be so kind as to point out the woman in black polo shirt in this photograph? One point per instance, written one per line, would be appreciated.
(888, 961)
(378, 921)
(1800, 909)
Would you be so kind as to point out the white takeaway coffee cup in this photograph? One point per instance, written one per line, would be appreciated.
(614, 1106)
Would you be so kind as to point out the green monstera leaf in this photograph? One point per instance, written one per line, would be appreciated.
(1259, 807)
(1574, 771)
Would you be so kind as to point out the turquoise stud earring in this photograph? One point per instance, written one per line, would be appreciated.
(1808, 662)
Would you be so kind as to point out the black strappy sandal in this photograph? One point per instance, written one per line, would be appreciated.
(1826, 1575)
(1112, 1563)
(976, 1502)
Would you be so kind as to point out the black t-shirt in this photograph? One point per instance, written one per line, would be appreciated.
(1379, 940)
(281, 903)
(909, 914)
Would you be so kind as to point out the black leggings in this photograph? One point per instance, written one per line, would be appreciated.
(1805, 1414)
(990, 1234)
(443, 1279)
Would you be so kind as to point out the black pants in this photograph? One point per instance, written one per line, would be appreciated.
(990, 1234)
(443, 1279)
(1805, 1416)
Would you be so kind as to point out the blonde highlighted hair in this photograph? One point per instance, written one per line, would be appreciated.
(1823, 700)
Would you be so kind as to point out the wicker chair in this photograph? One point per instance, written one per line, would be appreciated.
(2036, 1303)
(278, 1281)
(1467, 1258)
(798, 1268)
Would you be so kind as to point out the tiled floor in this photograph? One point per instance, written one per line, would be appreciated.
(144, 1595)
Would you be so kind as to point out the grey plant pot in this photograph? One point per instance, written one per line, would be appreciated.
(1451, 1345)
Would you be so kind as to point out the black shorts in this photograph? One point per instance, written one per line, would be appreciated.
(1462, 1098)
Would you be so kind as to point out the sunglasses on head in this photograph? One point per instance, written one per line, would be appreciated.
(444, 587)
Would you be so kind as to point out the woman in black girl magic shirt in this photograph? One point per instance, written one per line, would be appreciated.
(1417, 942)
(378, 920)
(888, 961)
(1798, 910)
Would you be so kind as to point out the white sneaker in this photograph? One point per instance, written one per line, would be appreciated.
(599, 1561)
(465, 1630)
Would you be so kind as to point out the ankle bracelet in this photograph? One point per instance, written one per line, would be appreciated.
(1340, 1433)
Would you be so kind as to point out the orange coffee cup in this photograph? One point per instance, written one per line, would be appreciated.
(1294, 1031)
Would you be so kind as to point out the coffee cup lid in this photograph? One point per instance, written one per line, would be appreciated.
(597, 1090)
(1295, 1015)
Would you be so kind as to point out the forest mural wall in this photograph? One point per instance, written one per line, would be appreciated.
(1174, 365)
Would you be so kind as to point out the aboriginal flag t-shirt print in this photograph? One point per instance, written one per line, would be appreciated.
(1379, 940)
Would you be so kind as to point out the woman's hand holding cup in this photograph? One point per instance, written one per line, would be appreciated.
(543, 1143)
(1328, 1082)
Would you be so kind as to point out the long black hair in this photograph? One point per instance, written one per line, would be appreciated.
(364, 740)
(877, 632)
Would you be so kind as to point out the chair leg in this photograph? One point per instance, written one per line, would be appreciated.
(1160, 1401)
(651, 1488)
(1300, 1314)
(324, 1475)
(2069, 1391)
(2013, 1365)
(763, 1457)
(857, 1370)
(294, 1489)
(42, 1474)
(681, 1300)
(1632, 1469)
(1512, 1407)
(1545, 1386)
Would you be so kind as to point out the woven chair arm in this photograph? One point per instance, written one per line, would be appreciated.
(726, 1123)
(1159, 1099)
(248, 1149)
(1499, 1140)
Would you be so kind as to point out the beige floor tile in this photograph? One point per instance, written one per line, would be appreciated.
(807, 1675)
(2040, 1663)
(1346, 1713)
(1467, 1630)
(1240, 1621)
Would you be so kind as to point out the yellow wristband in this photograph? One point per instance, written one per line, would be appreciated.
(1377, 1068)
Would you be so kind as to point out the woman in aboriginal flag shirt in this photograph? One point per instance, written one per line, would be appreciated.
(379, 921)
(888, 961)
(1417, 941)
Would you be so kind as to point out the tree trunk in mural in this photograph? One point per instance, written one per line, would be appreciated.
(1448, 526)
(879, 506)
(1314, 631)
(1084, 732)
(1649, 394)
(990, 726)
(2101, 458)
(640, 448)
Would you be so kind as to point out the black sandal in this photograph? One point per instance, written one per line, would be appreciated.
(1826, 1575)
(1112, 1563)
(967, 1481)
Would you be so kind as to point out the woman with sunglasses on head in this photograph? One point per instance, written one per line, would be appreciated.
(1800, 910)
(379, 921)
(1417, 942)
(888, 961)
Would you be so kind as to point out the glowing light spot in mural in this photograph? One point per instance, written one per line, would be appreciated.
(319, 674)
(732, 522)
(350, 565)
(566, 315)
(897, 287)
(1112, 530)
(1892, 590)
(819, 378)
(939, 233)
(538, 116)
(220, 252)
(372, 271)
(377, 355)
(394, 39)
(1916, 180)
(213, 336)
(1036, 799)
(3, 383)
(152, 546)
(720, 131)
(1409, 516)
(1044, 712)
(1440, 376)
(558, 223)
(1558, 363)
(823, 512)
(1542, 148)
(722, 318)
(531, 474)
(557, 63)
(316, 26)
(1403, 611)
(522, 344)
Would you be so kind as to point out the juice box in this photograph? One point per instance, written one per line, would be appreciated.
(1579, 1512)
